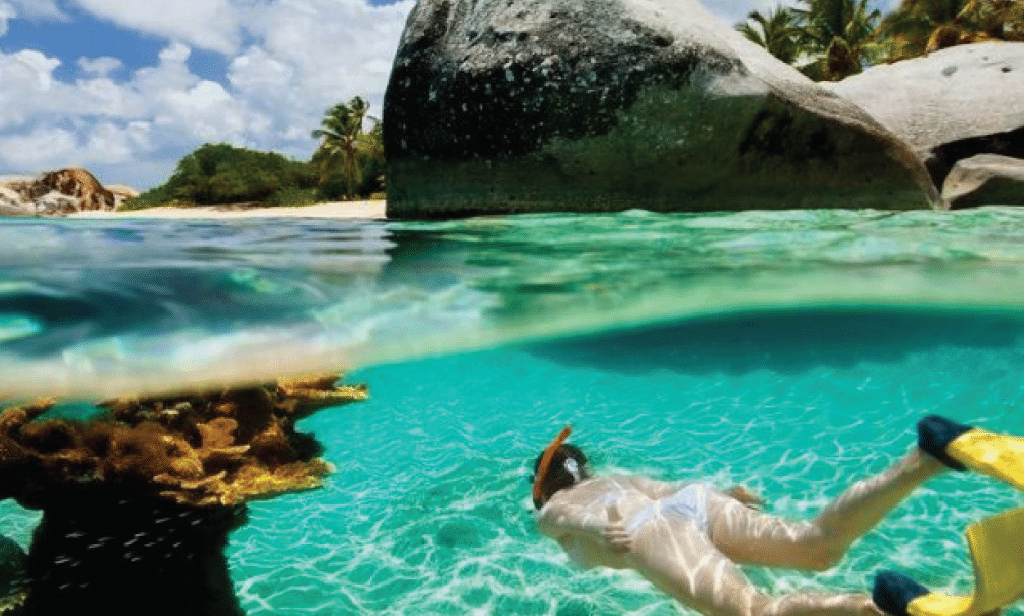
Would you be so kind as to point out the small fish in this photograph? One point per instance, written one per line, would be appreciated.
(75, 535)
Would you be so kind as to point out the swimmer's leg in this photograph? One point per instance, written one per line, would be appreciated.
(750, 537)
(682, 562)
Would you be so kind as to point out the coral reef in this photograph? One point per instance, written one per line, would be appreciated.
(209, 448)
(138, 503)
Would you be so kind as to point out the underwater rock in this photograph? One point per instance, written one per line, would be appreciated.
(12, 566)
(606, 105)
(57, 193)
(138, 503)
(985, 179)
(108, 551)
(949, 105)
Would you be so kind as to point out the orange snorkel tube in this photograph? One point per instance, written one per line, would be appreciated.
(545, 461)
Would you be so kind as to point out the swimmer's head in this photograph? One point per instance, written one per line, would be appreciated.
(567, 468)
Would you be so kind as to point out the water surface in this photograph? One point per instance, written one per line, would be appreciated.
(789, 351)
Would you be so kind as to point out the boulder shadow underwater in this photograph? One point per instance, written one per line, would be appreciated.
(786, 342)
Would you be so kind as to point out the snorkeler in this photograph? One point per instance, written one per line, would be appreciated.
(687, 538)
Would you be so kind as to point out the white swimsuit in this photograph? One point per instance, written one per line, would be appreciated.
(688, 503)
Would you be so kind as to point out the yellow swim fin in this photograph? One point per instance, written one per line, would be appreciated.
(997, 549)
(998, 455)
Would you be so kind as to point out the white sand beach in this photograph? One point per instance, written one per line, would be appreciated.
(334, 209)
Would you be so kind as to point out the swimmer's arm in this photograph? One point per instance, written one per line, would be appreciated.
(559, 519)
(751, 499)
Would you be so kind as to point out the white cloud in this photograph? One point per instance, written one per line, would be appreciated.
(7, 13)
(46, 9)
(35, 149)
(210, 24)
(100, 66)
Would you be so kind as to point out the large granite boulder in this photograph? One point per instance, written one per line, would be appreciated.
(501, 106)
(950, 105)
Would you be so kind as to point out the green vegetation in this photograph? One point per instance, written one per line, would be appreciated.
(778, 32)
(350, 159)
(349, 163)
(833, 39)
(920, 26)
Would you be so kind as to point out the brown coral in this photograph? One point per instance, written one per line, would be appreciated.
(204, 448)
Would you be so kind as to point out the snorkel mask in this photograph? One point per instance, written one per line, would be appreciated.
(545, 464)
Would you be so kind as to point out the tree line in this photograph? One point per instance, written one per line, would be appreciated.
(348, 164)
(829, 40)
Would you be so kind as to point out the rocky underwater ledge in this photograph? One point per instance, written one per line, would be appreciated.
(138, 502)
(610, 105)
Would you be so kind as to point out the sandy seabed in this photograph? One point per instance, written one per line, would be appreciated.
(334, 209)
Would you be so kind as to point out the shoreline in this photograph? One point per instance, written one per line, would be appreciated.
(367, 209)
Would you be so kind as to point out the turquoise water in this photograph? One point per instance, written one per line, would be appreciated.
(789, 352)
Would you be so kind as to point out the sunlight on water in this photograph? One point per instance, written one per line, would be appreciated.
(429, 511)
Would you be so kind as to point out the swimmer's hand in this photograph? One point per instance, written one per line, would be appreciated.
(745, 496)
(618, 538)
(615, 534)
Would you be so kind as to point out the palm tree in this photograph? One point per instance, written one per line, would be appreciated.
(841, 32)
(920, 26)
(917, 25)
(343, 140)
(777, 32)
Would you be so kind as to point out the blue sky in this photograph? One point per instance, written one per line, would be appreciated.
(126, 88)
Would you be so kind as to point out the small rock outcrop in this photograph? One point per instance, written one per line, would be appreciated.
(12, 204)
(984, 179)
(950, 105)
(55, 193)
(603, 105)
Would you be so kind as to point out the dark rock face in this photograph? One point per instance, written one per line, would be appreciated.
(604, 105)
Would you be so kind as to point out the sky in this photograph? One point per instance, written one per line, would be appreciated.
(126, 88)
